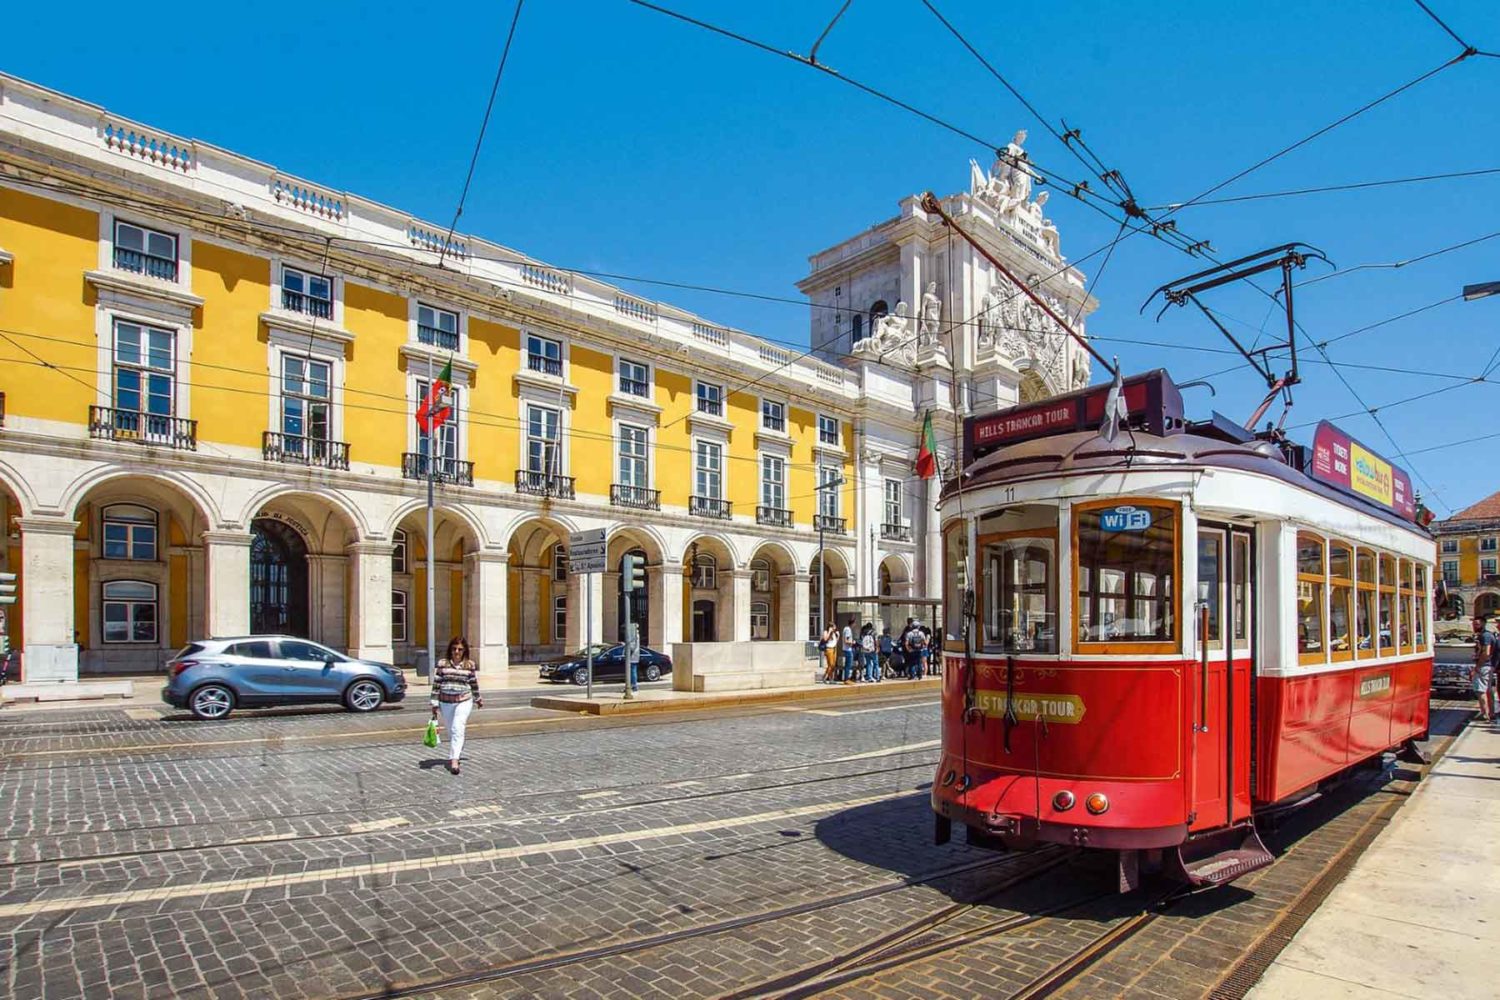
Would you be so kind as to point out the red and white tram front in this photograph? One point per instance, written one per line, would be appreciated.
(1169, 628)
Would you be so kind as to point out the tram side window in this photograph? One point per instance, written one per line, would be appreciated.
(1310, 570)
(1240, 596)
(1126, 573)
(954, 539)
(1385, 633)
(1419, 618)
(1018, 594)
(1340, 600)
(1211, 580)
(1406, 606)
(1364, 608)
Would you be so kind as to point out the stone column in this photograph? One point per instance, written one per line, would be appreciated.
(227, 599)
(665, 583)
(46, 592)
(611, 618)
(488, 611)
(529, 627)
(448, 618)
(327, 600)
(932, 547)
(586, 597)
(196, 588)
(370, 601)
(795, 600)
(737, 606)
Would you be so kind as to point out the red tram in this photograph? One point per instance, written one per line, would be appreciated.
(1169, 630)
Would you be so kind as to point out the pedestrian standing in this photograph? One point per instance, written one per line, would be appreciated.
(887, 647)
(830, 653)
(916, 651)
(870, 651)
(847, 638)
(455, 694)
(1481, 675)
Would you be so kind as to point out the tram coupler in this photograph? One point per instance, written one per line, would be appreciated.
(1410, 753)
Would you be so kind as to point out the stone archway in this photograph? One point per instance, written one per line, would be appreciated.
(650, 608)
(279, 591)
(712, 594)
(543, 612)
(457, 593)
(829, 581)
(774, 595)
(298, 580)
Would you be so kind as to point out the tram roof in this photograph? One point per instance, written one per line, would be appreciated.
(1086, 451)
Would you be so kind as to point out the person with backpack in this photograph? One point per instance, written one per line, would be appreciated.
(887, 647)
(1486, 652)
(870, 652)
(849, 652)
(914, 639)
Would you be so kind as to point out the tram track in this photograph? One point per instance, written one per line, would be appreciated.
(1048, 859)
(448, 822)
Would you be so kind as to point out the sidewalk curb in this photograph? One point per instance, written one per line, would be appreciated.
(691, 701)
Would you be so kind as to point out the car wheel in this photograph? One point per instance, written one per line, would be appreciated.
(653, 672)
(581, 676)
(211, 702)
(364, 696)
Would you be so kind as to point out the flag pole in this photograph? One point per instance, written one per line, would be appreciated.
(431, 557)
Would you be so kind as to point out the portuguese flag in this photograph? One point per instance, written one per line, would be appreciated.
(433, 412)
(926, 466)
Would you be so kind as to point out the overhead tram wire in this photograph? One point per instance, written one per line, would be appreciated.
(1352, 186)
(484, 125)
(1451, 33)
(1398, 264)
(1079, 191)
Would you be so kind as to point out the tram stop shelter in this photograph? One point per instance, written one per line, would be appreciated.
(891, 613)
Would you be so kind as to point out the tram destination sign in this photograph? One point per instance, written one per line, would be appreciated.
(1342, 462)
(1154, 403)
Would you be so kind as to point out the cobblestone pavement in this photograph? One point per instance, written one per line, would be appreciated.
(735, 852)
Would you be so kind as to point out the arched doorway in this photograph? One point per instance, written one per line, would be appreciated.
(705, 627)
(1486, 604)
(639, 601)
(278, 579)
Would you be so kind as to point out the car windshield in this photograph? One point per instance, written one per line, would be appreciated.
(598, 649)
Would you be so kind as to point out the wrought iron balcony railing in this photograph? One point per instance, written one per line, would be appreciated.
(414, 465)
(830, 524)
(776, 517)
(148, 264)
(298, 302)
(545, 365)
(296, 449)
(437, 337)
(710, 507)
(635, 387)
(638, 497)
(113, 424)
(896, 532)
(544, 484)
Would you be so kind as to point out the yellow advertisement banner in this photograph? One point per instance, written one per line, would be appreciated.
(1055, 709)
(1369, 475)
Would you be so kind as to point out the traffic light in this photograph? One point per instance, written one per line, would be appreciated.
(7, 588)
(634, 572)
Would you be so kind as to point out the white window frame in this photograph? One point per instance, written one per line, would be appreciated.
(558, 458)
(308, 399)
(1450, 546)
(400, 609)
(544, 342)
(1452, 577)
(132, 526)
(699, 398)
(130, 617)
(560, 619)
(398, 552)
(641, 373)
(459, 346)
(279, 291)
(773, 486)
(1489, 566)
(780, 411)
(830, 502)
(146, 233)
(107, 222)
(452, 427)
(143, 367)
(823, 421)
(643, 458)
(761, 572)
(705, 571)
(708, 472)
(1490, 544)
(894, 501)
(760, 620)
(559, 563)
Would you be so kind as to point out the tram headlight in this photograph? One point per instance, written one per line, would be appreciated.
(1063, 801)
(1097, 803)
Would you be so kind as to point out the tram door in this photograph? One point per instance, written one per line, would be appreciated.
(1223, 675)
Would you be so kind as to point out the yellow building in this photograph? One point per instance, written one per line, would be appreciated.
(1469, 558)
(210, 375)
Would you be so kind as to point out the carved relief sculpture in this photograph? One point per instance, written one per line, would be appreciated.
(931, 315)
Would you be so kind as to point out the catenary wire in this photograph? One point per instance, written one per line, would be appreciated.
(1398, 264)
(1353, 186)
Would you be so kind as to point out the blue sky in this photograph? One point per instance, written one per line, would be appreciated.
(626, 142)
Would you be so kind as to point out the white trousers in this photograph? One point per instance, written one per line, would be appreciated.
(455, 720)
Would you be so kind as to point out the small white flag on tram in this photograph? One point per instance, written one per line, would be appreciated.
(1115, 408)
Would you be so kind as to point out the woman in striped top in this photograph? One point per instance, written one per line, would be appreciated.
(455, 693)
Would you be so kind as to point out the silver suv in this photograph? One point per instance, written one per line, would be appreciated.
(212, 677)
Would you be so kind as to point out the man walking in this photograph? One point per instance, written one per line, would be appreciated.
(847, 638)
(1486, 650)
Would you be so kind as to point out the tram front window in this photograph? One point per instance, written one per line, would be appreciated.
(1020, 599)
(1126, 569)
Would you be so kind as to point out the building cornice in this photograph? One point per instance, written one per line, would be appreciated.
(125, 283)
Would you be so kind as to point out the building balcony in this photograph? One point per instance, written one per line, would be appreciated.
(544, 484)
(637, 497)
(295, 449)
(830, 524)
(444, 470)
(150, 265)
(437, 337)
(306, 304)
(635, 387)
(710, 507)
(113, 424)
(545, 365)
(896, 532)
(776, 517)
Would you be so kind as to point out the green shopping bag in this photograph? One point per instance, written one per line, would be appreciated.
(430, 737)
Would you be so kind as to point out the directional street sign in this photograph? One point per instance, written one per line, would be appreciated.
(586, 552)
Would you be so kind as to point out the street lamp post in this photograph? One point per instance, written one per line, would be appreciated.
(822, 524)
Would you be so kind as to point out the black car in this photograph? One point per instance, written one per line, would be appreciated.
(609, 665)
(1450, 669)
